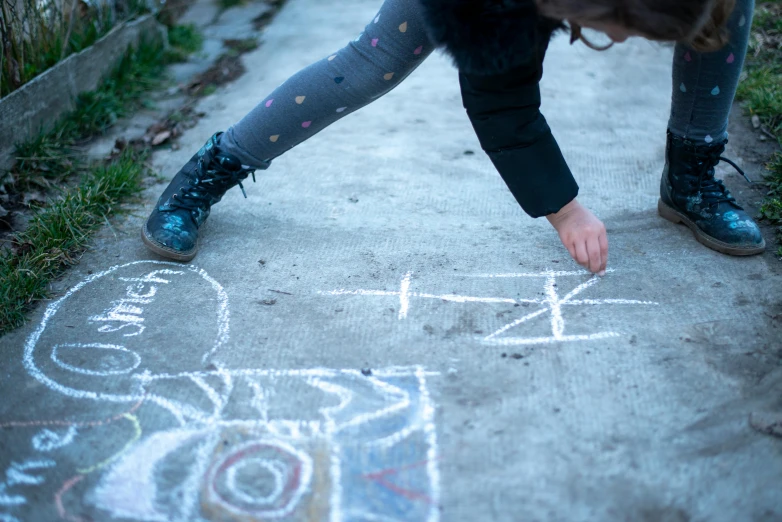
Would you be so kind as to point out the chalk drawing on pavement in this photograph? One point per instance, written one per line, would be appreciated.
(552, 304)
(226, 443)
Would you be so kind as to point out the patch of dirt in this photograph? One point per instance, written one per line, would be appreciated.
(264, 19)
(767, 424)
(226, 69)
(756, 149)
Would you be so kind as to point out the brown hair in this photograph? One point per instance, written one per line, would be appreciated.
(698, 23)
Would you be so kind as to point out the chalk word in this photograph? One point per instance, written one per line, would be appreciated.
(125, 312)
(20, 474)
(552, 303)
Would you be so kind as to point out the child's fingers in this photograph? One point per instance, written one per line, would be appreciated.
(571, 248)
(582, 257)
(593, 249)
(603, 239)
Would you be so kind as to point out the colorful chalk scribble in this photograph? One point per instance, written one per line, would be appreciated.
(206, 442)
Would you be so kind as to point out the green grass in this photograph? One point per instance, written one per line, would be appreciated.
(35, 35)
(53, 156)
(58, 233)
(241, 46)
(227, 4)
(185, 37)
(183, 41)
(761, 92)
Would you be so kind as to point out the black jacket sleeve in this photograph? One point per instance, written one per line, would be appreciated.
(504, 111)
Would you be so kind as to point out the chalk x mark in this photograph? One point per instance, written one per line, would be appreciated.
(552, 304)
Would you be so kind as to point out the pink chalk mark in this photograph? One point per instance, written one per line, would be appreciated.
(269, 103)
(30, 424)
(731, 58)
(67, 485)
(687, 57)
(374, 41)
(306, 124)
(379, 478)
(419, 49)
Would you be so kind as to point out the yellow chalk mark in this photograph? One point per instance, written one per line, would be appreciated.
(136, 436)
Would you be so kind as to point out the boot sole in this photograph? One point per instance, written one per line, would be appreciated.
(163, 250)
(674, 216)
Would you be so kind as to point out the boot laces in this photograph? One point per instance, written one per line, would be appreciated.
(209, 184)
(712, 190)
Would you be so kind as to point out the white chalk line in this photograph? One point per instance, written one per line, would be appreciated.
(547, 273)
(582, 302)
(557, 322)
(432, 454)
(190, 487)
(362, 515)
(335, 471)
(444, 297)
(390, 393)
(98, 346)
(272, 466)
(523, 341)
(517, 322)
(345, 398)
(404, 297)
(47, 440)
(218, 400)
(393, 371)
(259, 401)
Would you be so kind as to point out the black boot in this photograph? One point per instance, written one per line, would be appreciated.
(172, 228)
(690, 194)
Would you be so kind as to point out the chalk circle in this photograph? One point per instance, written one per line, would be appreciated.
(275, 469)
(233, 482)
(133, 363)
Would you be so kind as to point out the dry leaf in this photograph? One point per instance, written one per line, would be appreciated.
(160, 138)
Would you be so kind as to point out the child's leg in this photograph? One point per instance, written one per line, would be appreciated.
(392, 45)
(704, 84)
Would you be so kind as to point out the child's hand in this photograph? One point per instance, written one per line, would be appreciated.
(583, 235)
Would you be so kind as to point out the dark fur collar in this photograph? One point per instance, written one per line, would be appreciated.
(488, 36)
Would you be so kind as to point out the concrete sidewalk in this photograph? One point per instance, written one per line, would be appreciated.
(380, 334)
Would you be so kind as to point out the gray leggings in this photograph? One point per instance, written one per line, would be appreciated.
(704, 84)
(394, 43)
